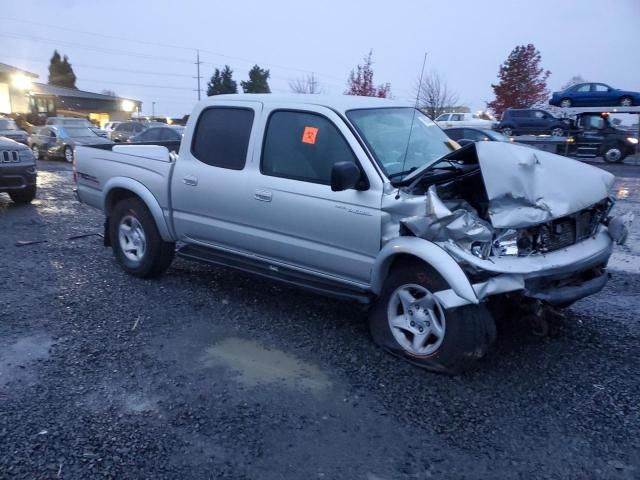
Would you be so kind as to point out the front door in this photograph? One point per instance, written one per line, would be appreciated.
(299, 219)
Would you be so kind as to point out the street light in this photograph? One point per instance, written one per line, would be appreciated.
(21, 81)
(127, 105)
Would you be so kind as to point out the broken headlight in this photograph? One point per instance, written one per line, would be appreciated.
(506, 243)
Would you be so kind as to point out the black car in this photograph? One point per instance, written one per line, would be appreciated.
(9, 129)
(127, 130)
(159, 134)
(531, 121)
(475, 135)
(59, 141)
(17, 171)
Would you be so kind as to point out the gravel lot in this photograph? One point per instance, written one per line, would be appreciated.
(211, 373)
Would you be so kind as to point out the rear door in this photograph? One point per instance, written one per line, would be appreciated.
(209, 181)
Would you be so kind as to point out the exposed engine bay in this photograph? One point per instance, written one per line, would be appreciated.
(494, 199)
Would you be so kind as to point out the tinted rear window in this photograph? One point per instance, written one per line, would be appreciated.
(221, 137)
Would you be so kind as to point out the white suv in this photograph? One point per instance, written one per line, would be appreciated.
(479, 120)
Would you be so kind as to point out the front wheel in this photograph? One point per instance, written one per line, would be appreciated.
(566, 103)
(26, 195)
(68, 154)
(408, 321)
(508, 131)
(626, 102)
(557, 132)
(137, 244)
(614, 153)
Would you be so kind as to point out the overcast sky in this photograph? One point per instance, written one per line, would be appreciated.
(110, 43)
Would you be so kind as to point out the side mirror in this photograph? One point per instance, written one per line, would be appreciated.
(344, 175)
(464, 141)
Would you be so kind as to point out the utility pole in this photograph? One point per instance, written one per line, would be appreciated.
(198, 77)
(153, 110)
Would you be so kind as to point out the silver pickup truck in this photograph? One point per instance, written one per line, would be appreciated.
(364, 199)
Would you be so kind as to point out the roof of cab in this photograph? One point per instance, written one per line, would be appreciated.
(337, 102)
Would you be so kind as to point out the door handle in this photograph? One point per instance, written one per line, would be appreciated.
(262, 195)
(190, 180)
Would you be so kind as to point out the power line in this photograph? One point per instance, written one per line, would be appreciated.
(98, 67)
(165, 45)
(37, 39)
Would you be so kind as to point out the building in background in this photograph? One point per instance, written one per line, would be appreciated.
(21, 95)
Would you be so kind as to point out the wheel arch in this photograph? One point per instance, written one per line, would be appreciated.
(119, 188)
(404, 249)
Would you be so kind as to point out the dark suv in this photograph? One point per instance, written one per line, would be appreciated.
(529, 121)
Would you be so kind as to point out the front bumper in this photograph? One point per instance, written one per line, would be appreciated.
(17, 177)
(558, 277)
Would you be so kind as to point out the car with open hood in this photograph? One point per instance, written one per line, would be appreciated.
(59, 141)
(363, 199)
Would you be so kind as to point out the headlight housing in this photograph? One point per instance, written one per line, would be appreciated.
(26, 156)
(632, 140)
(505, 243)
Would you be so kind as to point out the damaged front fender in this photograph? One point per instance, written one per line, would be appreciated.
(431, 254)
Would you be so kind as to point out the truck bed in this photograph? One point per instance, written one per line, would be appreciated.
(147, 166)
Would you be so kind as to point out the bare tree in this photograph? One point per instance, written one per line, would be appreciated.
(308, 84)
(434, 95)
(573, 81)
(108, 91)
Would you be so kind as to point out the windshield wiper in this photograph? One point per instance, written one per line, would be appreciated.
(402, 174)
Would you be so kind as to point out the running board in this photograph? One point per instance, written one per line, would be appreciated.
(281, 273)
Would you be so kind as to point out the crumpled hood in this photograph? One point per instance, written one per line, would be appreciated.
(526, 186)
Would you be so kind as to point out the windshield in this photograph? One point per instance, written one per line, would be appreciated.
(401, 139)
(7, 124)
(76, 132)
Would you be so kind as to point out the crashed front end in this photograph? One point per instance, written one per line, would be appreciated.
(526, 221)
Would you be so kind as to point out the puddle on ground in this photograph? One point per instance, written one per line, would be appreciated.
(256, 365)
(17, 355)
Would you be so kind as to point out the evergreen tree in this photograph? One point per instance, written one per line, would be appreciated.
(258, 81)
(60, 71)
(361, 81)
(523, 82)
(222, 82)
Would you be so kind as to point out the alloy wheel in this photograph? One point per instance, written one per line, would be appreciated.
(132, 239)
(416, 319)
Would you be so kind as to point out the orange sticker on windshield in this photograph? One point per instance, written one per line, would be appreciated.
(309, 135)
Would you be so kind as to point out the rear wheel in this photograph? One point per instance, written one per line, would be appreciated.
(508, 131)
(566, 103)
(26, 195)
(36, 152)
(626, 102)
(408, 321)
(557, 131)
(136, 242)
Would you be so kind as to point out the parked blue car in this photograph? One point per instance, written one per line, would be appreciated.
(594, 95)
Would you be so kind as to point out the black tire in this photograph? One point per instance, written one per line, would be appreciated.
(626, 101)
(566, 103)
(26, 195)
(507, 130)
(68, 154)
(158, 254)
(614, 152)
(557, 131)
(469, 330)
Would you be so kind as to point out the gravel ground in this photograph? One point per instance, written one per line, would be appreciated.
(211, 373)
